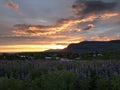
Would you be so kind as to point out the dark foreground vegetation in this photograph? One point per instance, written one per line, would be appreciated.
(59, 75)
(109, 55)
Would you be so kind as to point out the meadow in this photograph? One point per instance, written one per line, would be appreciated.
(59, 75)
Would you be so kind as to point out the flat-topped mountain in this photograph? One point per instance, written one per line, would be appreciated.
(93, 46)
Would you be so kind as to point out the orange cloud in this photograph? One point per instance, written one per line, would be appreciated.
(108, 15)
(11, 4)
(85, 12)
(65, 25)
(67, 31)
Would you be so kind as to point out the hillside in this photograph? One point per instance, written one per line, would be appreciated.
(93, 46)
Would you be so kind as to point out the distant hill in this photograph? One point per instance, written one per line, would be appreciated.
(53, 50)
(93, 46)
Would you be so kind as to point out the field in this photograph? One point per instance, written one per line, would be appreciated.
(59, 75)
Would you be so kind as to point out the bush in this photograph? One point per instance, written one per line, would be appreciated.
(115, 82)
(58, 81)
(14, 84)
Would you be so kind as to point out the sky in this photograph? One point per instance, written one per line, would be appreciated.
(39, 25)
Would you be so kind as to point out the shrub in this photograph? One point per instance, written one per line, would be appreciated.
(58, 81)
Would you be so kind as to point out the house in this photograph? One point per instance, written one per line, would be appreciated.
(65, 59)
(97, 54)
(48, 58)
(78, 58)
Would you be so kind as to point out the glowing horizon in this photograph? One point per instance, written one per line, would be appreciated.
(40, 48)
(29, 48)
(34, 26)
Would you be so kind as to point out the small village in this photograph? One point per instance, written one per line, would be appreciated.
(53, 56)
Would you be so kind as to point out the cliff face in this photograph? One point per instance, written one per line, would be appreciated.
(93, 46)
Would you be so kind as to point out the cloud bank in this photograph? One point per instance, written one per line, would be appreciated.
(83, 8)
(86, 14)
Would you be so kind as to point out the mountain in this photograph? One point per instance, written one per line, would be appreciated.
(53, 50)
(93, 46)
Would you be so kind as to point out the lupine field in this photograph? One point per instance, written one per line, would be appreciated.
(59, 75)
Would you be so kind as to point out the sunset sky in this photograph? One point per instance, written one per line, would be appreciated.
(38, 25)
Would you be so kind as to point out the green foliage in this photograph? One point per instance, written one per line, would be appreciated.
(103, 84)
(115, 82)
(59, 66)
(58, 81)
(109, 55)
(56, 75)
(15, 84)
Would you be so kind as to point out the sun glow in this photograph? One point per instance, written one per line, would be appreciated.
(30, 48)
(60, 46)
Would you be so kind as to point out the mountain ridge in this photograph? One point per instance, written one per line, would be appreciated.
(93, 46)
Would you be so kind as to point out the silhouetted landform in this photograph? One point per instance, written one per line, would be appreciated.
(87, 50)
(53, 50)
(93, 46)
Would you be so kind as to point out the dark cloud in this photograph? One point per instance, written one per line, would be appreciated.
(88, 27)
(11, 4)
(87, 13)
(63, 25)
(100, 9)
(93, 7)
